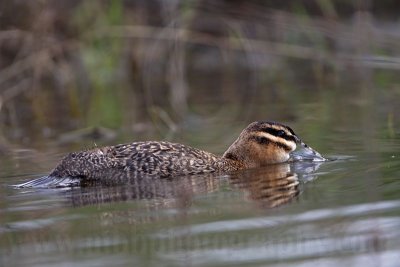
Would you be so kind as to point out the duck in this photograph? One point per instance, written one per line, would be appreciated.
(260, 144)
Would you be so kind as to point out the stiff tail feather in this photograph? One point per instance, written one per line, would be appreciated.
(49, 182)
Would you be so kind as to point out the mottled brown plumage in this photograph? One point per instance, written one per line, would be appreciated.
(259, 144)
(149, 158)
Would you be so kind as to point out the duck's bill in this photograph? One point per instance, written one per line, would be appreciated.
(306, 153)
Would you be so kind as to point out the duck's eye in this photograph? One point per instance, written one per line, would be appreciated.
(280, 133)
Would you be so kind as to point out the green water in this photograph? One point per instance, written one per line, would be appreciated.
(342, 212)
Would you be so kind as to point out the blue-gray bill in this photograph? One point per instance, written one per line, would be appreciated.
(306, 153)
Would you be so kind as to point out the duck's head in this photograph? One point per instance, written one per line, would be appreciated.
(263, 143)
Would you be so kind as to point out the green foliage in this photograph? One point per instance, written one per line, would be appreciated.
(101, 56)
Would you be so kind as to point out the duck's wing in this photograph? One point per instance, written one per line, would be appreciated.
(164, 159)
(120, 163)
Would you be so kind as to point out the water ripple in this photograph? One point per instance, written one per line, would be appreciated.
(270, 221)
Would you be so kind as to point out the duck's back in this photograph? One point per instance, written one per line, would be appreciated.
(151, 158)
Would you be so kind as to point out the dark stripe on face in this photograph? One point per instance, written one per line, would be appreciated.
(279, 133)
(272, 123)
(264, 141)
(285, 147)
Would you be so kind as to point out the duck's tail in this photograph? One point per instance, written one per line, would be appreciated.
(49, 181)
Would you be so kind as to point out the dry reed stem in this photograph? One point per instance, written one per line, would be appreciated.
(277, 48)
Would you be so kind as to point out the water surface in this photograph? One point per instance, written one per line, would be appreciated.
(338, 212)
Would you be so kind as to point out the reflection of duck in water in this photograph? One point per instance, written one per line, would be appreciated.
(259, 144)
(270, 187)
(267, 187)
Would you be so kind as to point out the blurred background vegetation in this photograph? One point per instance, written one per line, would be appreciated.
(197, 70)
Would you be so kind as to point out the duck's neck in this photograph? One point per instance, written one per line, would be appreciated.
(232, 161)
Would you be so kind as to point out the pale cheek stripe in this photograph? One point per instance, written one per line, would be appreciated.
(275, 139)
